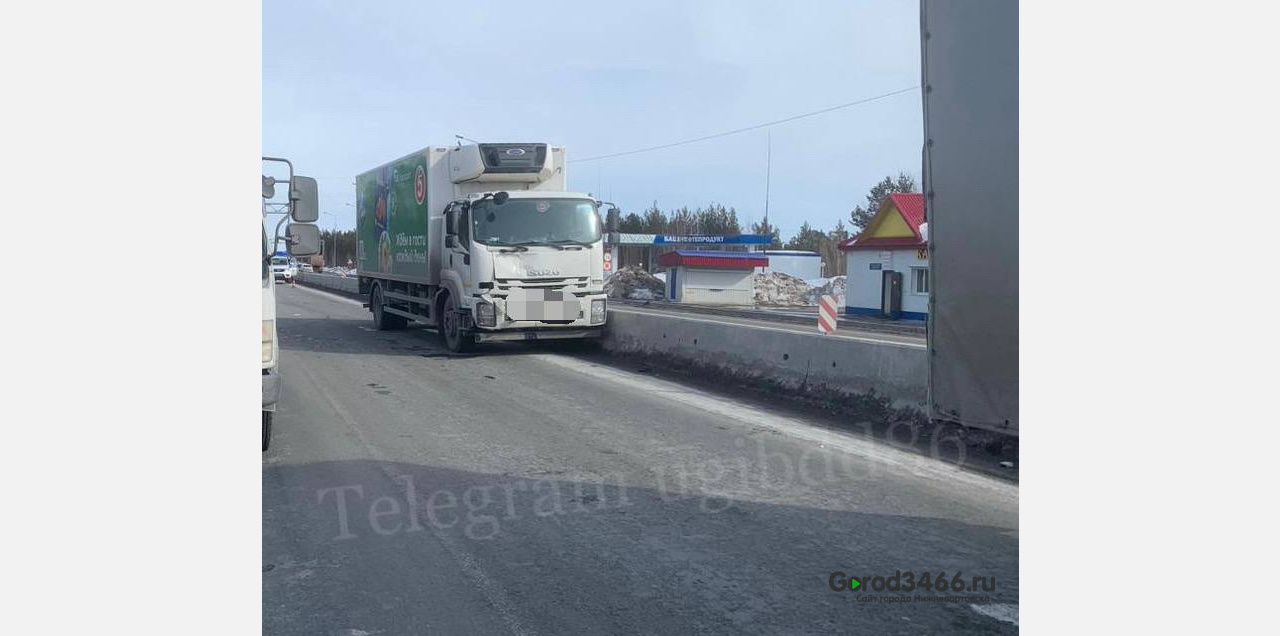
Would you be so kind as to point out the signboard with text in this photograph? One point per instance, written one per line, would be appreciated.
(694, 239)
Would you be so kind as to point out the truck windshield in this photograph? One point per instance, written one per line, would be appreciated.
(535, 222)
(279, 261)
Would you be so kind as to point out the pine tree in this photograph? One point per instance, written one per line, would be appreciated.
(655, 221)
(764, 227)
(860, 216)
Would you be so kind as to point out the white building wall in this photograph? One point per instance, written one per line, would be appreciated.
(705, 286)
(802, 265)
(863, 283)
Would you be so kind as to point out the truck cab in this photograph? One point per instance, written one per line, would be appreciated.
(506, 253)
(527, 265)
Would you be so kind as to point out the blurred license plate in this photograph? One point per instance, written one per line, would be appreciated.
(540, 304)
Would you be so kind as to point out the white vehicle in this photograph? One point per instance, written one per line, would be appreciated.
(303, 239)
(482, 242)
(284, 268)
(270, 343)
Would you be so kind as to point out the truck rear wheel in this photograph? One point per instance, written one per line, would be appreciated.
(382, 320)
(456, 339)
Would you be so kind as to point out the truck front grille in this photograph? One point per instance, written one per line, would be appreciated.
(539, 283)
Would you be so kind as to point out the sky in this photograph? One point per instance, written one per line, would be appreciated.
(347, 86)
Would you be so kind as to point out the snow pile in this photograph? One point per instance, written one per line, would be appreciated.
(824, 286)
(781, 290)
(635, 283)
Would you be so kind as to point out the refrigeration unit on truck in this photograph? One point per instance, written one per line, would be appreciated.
(969, 60)
(482, 242)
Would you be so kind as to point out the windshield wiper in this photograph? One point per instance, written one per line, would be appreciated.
(570, 242)
(538, 243)
(515, 247)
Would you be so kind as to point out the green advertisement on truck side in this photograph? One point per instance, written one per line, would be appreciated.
(392, 218)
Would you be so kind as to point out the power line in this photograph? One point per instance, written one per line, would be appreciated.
(722, 134)
(748, 128)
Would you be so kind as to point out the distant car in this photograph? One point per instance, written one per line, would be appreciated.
(283, 268)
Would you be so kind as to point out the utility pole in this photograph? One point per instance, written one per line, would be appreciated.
(768, 169)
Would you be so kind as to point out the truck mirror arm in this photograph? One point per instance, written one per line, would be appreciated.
(276, 246)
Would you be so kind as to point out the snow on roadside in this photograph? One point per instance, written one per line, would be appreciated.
(824, 286)
(781, 290)
(635, 283)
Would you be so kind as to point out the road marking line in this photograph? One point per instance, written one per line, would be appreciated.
(332, 295)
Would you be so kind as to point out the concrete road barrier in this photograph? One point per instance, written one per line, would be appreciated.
(790, 358)
(346, 285)
(783, 355)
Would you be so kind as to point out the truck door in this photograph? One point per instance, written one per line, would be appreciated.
(457, 255)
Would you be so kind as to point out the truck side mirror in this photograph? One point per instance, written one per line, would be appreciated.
(451, 222)
(612, 220)
(303, 239)
(450, 240)
(304, 200)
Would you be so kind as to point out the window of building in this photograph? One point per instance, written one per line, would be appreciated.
(920, 280)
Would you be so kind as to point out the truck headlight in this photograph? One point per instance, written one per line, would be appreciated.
(597, 311)
(486, 316)
(268, 340)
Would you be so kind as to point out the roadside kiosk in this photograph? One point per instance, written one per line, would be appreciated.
(711, 278)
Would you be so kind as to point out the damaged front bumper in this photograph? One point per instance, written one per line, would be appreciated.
(555, 324)
(538, 333)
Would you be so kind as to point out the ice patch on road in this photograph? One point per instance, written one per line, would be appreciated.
(998, 611)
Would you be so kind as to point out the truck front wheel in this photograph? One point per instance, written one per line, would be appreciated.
(456, 339)
(383, 320)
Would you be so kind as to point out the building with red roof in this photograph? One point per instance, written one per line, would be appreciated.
(712, 278)
(888, 262)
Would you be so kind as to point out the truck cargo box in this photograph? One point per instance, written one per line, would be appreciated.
(970, 85)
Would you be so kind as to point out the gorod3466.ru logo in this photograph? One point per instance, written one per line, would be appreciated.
(910, 582)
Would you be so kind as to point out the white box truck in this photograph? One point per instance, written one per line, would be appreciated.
(482, 242)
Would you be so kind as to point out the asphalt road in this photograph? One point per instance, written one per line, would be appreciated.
(533, 489)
